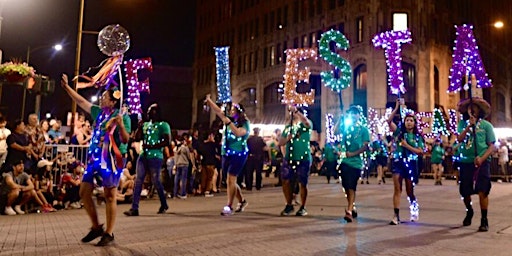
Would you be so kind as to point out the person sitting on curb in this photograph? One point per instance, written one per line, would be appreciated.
(19, 189)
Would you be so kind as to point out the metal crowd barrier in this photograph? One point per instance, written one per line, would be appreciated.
(62, 154)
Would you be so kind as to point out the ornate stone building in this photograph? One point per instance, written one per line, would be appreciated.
(258, 32)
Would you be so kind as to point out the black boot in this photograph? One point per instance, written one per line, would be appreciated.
(484, 225)
(469, 216)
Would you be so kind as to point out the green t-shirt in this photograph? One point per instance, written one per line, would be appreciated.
(233, 145)
(437, 154)
(330, 152)
(379, 148)
(99, 128)
(298, 148)
(484, 136)
(415, 141)
(152, 134)
(354, 138)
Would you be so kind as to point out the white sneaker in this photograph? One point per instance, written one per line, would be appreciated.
(18, 210)
(9, 211)
(76, 205)
(144, 192)
(395, 220)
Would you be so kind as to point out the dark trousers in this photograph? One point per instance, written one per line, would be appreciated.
(254, 163)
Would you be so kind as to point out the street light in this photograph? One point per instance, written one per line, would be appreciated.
(498, 24)
(56, 47)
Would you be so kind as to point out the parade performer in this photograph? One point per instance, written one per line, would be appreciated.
(409, 146)
(234, 151)
(354, 142)
(104, 158)
(155, 135)
(476, 138)
(437, 161)
(380, 156)
(296, 165)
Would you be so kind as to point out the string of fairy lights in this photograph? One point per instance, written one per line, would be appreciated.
(466, 59)
(391, 42)
(135, 87)
(340, 64)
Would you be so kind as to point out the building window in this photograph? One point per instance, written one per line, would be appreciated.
(248, 97)
(304, 41)
(278, 54)
(319, 7)
(285, 16)
(285, 46)
(265, 57)
(279, 19)
(239, 65)
(311, 8)
(272, 55)
(359, 29)
(295, 12)
(436, 87)
(272, 95)
(295, 43)
(253, 66)
(312, 39)
(400, 21)
(332, 4)
(341, 27)
(272, 21)
(361, 78)
(265, 24)
(247, 63)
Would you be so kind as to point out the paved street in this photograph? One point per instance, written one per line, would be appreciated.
(194, 226)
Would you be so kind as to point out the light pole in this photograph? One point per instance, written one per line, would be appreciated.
(56, 47)
(77, 57)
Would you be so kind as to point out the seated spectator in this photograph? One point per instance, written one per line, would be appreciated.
(70, 185)
(43, 183)
(19, 189)
(4, 133)
(126, 184)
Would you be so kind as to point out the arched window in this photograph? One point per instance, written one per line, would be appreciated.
(410, 86)
(360, 86)
(273, 110)
(248, 100)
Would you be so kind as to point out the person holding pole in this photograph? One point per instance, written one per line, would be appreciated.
(476, 138)
(234, 151)
(297, 159)
(409, 146)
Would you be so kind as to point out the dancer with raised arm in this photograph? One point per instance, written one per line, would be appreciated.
(234, 151)
(104, 158)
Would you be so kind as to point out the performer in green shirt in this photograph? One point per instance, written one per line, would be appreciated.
(297, 159)
(476, 139)
(105, 157)
(155, 135)
(436, 161)
(409, 147)
(355, 140)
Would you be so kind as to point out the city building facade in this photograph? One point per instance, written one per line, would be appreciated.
(259, 31)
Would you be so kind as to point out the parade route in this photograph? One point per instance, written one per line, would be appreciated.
(195, 227)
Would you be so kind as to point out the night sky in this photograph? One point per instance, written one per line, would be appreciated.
(160, 29)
